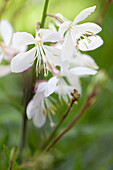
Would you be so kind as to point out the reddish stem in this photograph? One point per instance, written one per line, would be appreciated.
(11, 164)
(37, 26)
(87, 105)
(103, 11)
(74, 99)
(57, 18)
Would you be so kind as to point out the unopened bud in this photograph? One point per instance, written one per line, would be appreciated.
(13, 153)
(75, 95)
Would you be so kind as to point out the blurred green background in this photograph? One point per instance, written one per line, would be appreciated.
(89, 144)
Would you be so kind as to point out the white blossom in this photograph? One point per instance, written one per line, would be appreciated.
(48, 54)
(82, 36)
(7, 49)
(37, 107)
(77, 66)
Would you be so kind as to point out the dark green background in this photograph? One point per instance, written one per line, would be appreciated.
(89, 144)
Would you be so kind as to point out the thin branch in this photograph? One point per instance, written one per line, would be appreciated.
(11, 164)
(55, 17)
(74, 99)
(104, 11)
(29, 90)
(3, 8)
(85, 107)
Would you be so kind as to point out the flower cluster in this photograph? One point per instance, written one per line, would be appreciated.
(56, 52)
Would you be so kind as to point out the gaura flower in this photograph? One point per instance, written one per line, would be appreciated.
(40, 104)
(79, 65)
(64, 89)
(46, 54)
(7, 49)
(82, 36)
(82, 60)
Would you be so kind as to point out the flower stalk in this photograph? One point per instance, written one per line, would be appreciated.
(55, 17)
(30, 89)
(44, 14)
(85, 107)
(74, 99)
(104, 11)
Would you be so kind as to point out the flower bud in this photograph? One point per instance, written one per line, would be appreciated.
(13, 154)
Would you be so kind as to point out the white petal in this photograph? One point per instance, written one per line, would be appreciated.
(64, 90)
(63, 28)
(89, 28)
(64, 71)
(36, 112)
(60, 15)
(23, 61)
(75, 82)
(23, 39)
(39, 117)
(51, 26)
(51, 85)
(41, 87)
(82, 60)
(29, 110)
(95, 42)
(53, 55)
(38, 97)
(81, 71)
(67, 47)
(57, 23)
(50, 36)
(1, 57)
(84, 14)
(19, 48)
(4, 70)
(6, 31)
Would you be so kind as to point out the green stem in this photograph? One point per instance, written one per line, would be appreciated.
(44, 14)
(29, 89)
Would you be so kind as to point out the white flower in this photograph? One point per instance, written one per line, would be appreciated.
(49, 55)
(7, 49)
(83, 60)
(6, 32)
(64, 90)
(79, 65)
(82, 36)
(36, 109)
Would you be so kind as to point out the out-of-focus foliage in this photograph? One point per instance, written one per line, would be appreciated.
(89, 144)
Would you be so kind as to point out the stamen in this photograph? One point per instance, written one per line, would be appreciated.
(45, 70)
(51, 121)
(86, 45)
(91, 33)
(77, 46)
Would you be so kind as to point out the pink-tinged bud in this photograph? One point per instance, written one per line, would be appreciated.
(37, 84)
(37, 26)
